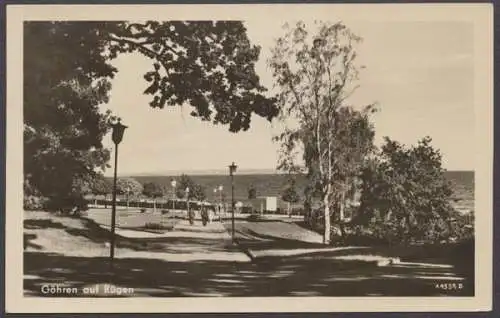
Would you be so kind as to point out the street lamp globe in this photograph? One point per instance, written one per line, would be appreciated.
(221, 188)
(174, 185)
(232, 168)
(118, 131)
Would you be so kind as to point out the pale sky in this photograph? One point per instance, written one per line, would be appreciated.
(420, 73)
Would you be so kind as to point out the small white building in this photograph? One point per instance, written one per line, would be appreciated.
(265, 204)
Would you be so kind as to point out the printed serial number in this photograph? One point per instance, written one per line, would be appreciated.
(449, 286)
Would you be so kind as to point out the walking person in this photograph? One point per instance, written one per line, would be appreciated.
(204, 215)
(191, 216)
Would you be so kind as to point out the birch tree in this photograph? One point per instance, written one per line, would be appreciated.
(315, 74)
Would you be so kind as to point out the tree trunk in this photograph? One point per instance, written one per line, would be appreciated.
(407, 232)
(289, 211)
(342, 205)
(342, 214)
(326, 235)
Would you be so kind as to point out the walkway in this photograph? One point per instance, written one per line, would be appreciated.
(186, 243)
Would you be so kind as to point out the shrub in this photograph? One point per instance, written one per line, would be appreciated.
(32, 202)
(154, 226)
(462, 256)
(406, 196)
(72, 204)
(298, 211)
(143, 210)
(246, 210)
(255, 218)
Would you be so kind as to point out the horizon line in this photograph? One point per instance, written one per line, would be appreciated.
(224, 172)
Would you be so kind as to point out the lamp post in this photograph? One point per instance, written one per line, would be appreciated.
(215, 195)
(187, 204)
(219, 204)
(128, 195)
(232, 170)
(220, 188)
(116, 136)
(174, 185)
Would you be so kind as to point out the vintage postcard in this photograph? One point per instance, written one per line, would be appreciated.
(249, 158)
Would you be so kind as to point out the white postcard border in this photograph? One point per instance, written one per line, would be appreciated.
(479, 14)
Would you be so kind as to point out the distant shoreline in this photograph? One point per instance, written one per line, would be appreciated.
(224, 172)
(272, 184)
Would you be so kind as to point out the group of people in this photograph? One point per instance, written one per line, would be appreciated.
(206, 214)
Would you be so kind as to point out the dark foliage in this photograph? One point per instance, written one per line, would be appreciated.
(208, 65)
(252, 192)
(153, 190)
(66, 78)
(196, 191)
(406, 196)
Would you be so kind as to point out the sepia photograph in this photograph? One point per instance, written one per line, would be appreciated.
(250, 153)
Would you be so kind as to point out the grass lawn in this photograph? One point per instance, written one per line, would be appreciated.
(48, 233)
(131, 218)
(286, 240)
(65, 249)
(273, 230)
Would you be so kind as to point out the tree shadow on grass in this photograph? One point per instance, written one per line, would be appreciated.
(258, 241)
(274, 277)
(249, 238)
(173, 245)
(91, 231)
(27, 241)
(459, 256)
(197, 230)
(152, 277)
(34, 224)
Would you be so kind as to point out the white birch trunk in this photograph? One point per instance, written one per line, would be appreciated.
(326, 234)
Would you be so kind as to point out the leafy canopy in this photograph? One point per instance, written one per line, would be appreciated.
(196, 191)
(66, 78)
(252, 192)
(101, 185)
(129, 186)
(316, 74)
(290, 194)
(209, 65)
(153, 190)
